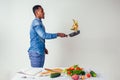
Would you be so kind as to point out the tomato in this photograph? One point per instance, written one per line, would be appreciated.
(88, 75)
(71, 68)
(81, 68)
(77, 68)
(68, 72)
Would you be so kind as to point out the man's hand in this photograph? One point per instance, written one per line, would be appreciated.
(46, 51)
(62, 35)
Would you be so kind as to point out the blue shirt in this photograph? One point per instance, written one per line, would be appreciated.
(38, 36)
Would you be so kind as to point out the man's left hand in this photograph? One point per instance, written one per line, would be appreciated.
(46, 51)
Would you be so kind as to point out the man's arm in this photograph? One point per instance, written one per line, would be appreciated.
(45, 35)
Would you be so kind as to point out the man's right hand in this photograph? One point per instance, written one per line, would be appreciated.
(62, 35)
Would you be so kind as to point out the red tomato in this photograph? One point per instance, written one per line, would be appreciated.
(71, 68)
(81, 68)
(77, 68)
(88, 75)
(68, 72)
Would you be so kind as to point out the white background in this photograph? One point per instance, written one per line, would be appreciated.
(97, 46)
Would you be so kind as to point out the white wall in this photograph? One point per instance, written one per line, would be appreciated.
(97, 46)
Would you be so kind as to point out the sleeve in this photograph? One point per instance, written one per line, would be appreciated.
(41, 32)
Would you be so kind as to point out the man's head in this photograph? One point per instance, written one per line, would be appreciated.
(38, 11)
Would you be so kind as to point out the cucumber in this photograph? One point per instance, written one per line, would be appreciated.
(54, 75)
(93, 74)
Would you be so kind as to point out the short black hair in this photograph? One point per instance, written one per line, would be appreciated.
(36, 7)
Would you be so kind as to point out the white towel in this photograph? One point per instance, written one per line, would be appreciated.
(30, 71)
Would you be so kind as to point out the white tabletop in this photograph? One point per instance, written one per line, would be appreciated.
(33, 74)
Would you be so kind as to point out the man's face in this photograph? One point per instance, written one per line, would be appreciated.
(40, 13)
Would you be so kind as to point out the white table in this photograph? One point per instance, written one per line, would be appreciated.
(33, 74)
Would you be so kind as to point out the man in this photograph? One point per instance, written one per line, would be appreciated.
(38, 35)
